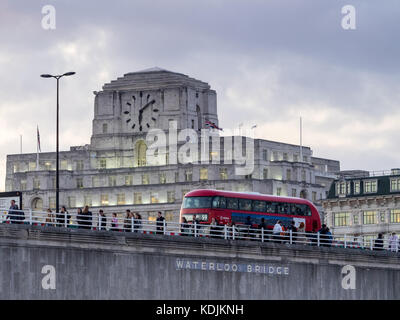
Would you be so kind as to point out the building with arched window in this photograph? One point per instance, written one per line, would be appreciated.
(121, 168)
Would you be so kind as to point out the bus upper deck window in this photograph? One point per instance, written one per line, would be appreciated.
(232, 203)
(245, 204)
(259, 206)
(219, 202)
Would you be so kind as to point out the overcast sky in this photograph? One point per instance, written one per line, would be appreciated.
(269, 61)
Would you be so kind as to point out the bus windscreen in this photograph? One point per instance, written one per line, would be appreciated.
(197, 202)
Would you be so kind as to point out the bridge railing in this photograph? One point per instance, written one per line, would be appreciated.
(228, 232)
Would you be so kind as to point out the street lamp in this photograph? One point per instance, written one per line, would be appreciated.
(58, 77)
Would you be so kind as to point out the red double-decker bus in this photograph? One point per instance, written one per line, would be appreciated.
(229, 206)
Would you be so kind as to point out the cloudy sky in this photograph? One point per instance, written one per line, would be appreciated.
(269, 61)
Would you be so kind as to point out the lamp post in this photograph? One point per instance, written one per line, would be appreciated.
(58, 77)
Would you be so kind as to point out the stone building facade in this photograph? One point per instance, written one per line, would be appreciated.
(114, 171)
(362, 204)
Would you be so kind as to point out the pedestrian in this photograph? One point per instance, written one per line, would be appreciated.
(128, 221)
(14, 214)
(215, 229)
(50, 218)
(185, 229)
(114, 222)
(293, 229)
(277, 231)
(378, 245)
(80, 218)
(329, 237)
(87, 218)
(138, 222)
(300, 231)
(322, 235)
(63, 217)
(394, 242)
(160, 223)
(102, 220)
(262, 226)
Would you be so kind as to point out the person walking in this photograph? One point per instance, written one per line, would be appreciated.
(378, 245)
(50, 219)
(160, 223)
(185, 228)
(138, 222)
(322, 235)
(293, 229)
(14, 214)
(114, 222)
(263, 227)
(300, 232)
(128, 221)
(394, 242)
(277, 232)
(80, 218)
(102, 220)
(63, 217)
(87, 218)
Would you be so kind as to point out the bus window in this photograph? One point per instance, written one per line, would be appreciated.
(197, 202)
(232, 203)
(219, 202)
(269, 207)
(282, 208)
(245, 204)
(259, 206)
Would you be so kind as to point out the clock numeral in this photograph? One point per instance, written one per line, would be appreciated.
(154, 119)
(128, 103)
(140, 128)
(126, 112)
(133, 127)
(134, 98)
(155, 110)
(148, 126)
(129, 120)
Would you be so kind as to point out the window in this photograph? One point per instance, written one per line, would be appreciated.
(356, 187)
(219, 202)
(197, 202)
(95, 182)
(294, 192)
(52, 202)
(232, 203)
(265, 155)
(154, 197)
(265, 173)
(285, 156)
(369, 217)
(278, 191)
(276, 156)
(128, 180)
(171, 196)
(79, 183)
(341, 219)
(370, 186)
(288, 174)
(36, 183)
(245, 204)
(71, 202)
(47, 166)
(169, 215)
(395, 185)
(112, 181)
(121, 199)
(162, 178)
(303, 175)
(176, 176)
(305, 159)
(295, 158)
(23, 185)
(259, 206)
(79, 165)
(223, 173)
(103, 164)
(137, 198)
(63, 165)
(382, 217)
(355, 219)
(145, 178)
(140, 152)
(16, 167)
(87, 200)
(395, 216)
(203, 174)
(105, 127)
(314, 196)
(188, 175)
(32, 166)
(104, 199)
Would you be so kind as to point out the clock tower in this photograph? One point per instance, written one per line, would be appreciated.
(128, 107)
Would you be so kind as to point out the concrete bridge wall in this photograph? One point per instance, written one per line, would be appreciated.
(111, 265)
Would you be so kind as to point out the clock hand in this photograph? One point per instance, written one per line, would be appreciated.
(146, 105)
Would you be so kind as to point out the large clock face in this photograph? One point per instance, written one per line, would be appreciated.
(141, 112)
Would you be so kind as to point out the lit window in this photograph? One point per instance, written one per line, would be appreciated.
(395, 216)
(103, 163)
(112, 181)
(63, 165)
(47, 166)
(104, 199)
(79, 183)
(145, 178)
(171, 196)
(87, 200)
(169, 215)
(223, 173)
(369, 217)
(120, 198)
(356, 187)
(341, 219)
(71, 202)
(395, 184)
(137, 198)
(163, 178)
(370, 186)
(128, 180)
(203, 174)
(79, 165)
(154, 197)
(32, 166)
